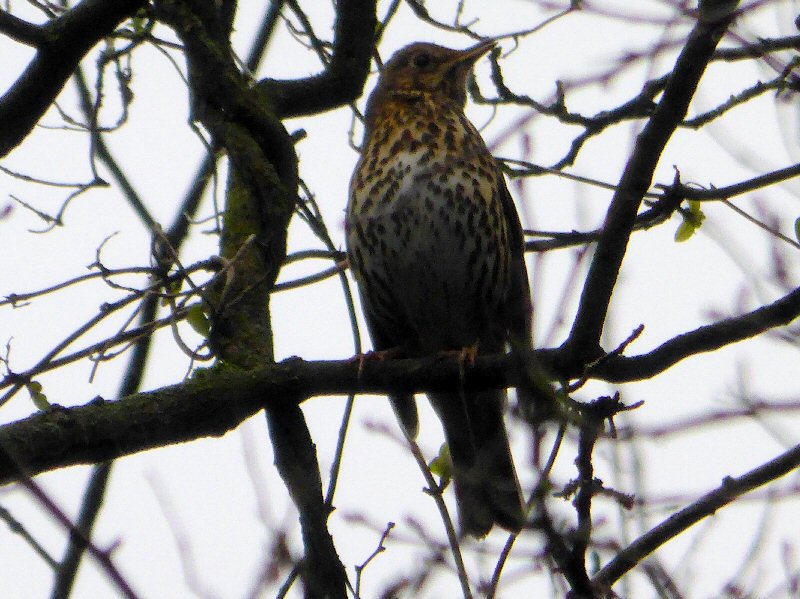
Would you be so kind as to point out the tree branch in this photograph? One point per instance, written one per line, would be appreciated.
(21, 31)
(260, 199)
(584, 338)
(703, 339)
(65, 42)
(213, 404)
(730, 489)
(210, 404)
(343, 81)
(729, 191)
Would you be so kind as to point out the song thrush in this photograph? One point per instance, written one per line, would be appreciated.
(436, 247)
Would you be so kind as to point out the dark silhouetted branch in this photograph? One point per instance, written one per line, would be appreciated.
(584, 338)
(703, 339)
(65, 42)
(213, 404)
(343, 80)
(731, 489)
(21, 30)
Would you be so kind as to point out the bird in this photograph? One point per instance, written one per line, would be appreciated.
(436, 248)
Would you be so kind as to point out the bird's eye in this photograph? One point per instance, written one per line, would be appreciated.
(422, 60)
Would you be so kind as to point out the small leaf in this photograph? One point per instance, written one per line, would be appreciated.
(692, 220)
(173, 289)
(138, 21)
(198, 321)
(696, 210)
(684, 232)
(39, 398)
(442, 465)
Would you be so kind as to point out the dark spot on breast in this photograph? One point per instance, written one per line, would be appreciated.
(495, 274)
(472, 259)
(471, 224)
(450, 139)
(423, 176)
(358, 259)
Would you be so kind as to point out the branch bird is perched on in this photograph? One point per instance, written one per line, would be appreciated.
(436, 247)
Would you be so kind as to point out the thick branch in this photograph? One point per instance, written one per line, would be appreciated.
(68, 39)
(208, 405)
(584, 337)
(20, 30)
(214, 404)
(343, 81)
(260, 198)
(703, 339)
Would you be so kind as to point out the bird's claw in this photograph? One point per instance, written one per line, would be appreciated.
(466, 356)
(374, 355)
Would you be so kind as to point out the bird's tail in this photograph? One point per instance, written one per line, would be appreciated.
(486, 485)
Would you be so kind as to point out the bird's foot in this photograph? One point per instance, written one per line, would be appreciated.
(466, 356)
(375, 355)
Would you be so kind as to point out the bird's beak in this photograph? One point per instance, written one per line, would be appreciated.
(471, 55)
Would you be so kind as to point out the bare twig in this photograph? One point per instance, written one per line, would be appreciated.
(378, 550)
(103, 556)
(731, 489)
(436, 493)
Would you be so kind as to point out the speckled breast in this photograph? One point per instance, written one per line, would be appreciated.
(426, 235)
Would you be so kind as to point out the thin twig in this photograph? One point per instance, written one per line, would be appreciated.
(103, 556)
(436, 493)
(378, 550)
(534, 497)
(731, 489)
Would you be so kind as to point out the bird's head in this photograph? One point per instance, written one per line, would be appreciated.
(423, 68)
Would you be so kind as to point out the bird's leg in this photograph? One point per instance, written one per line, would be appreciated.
(375, 355)
(465, 356)
(469, 354)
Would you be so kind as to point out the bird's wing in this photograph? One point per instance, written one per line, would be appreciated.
(518, 309)
(534, 393)
(404, 405)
